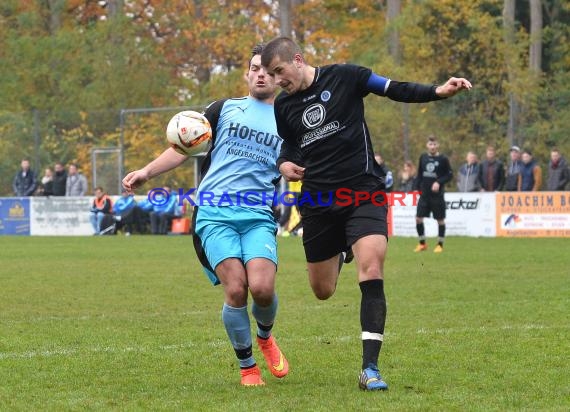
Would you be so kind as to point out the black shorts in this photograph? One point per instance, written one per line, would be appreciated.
(329, 230)
(431, 204)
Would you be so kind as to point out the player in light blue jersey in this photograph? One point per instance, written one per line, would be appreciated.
(234, 227)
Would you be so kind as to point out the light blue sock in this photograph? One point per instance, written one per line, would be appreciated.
(265, 317)
(236, 321)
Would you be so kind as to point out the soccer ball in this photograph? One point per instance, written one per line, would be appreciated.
(189, 133)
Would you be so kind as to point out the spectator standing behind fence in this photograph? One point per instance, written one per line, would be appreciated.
(468, 176)
(59, 179)
(46, 185)
(491, 172)
(102, 205)
(558, 171)
(406, 177)
(24, 183)
(76, 183)
(530, 178)
(514, 170)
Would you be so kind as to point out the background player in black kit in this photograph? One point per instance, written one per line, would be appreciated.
(434, 172)
(326, 144)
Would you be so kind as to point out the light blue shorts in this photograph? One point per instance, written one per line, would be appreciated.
(236, 232)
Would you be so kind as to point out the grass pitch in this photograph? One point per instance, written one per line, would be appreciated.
(130, 323)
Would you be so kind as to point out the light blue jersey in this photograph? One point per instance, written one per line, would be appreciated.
(243, 170)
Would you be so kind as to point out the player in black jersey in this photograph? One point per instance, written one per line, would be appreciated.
(434, 172)
(326, 144)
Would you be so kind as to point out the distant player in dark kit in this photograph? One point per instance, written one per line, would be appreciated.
(327, 145)
(434, 172)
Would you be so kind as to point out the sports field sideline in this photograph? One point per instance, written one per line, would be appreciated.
(130, 323)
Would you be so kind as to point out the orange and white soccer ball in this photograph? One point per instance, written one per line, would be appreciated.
(189, 133)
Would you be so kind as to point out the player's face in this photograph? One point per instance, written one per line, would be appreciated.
(261, 85)
(288, 75)
(432, 148)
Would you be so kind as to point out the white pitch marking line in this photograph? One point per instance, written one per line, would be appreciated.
(223, 342)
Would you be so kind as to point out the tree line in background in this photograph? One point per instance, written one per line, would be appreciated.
(68, 68)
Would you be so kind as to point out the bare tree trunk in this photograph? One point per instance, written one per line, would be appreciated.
(509, 39)
(115, 8)
(535, 55)
(55, 8)
(393, 11)
(202, 70)
(285, 25)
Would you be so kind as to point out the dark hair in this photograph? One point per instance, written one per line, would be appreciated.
(257, 49)
(282, 47)
(432, 138)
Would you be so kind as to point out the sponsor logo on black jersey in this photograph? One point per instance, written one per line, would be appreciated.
(314, 116)
(325, 96)
(430, 167)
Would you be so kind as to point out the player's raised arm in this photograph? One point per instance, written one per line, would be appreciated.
(168, 160)
(410, 92)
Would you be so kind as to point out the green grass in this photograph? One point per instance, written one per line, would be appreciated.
(130, 323)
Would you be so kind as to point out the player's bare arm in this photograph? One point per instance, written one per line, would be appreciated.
(453, 86)
(291, 171)
(168, 160)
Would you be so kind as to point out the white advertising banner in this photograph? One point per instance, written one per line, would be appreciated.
(468, 214)
(60, 216)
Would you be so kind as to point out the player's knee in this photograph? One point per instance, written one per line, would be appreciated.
(262, 295)
(370, 275)
(236, 294)
(323, 292)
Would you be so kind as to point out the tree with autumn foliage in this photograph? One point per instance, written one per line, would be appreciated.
(69, 67)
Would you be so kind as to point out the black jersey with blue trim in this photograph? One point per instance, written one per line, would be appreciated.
(324, 130)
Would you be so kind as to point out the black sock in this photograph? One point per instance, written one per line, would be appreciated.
(441, 233)
(372, 320)
(421, 232)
